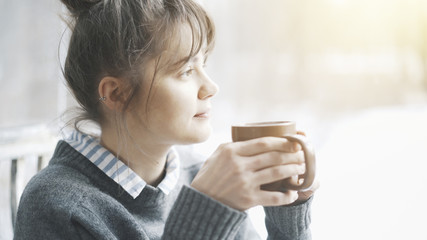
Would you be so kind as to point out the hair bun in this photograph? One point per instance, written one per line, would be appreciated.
(78, 6)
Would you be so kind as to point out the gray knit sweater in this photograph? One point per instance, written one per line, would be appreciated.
(73, 199)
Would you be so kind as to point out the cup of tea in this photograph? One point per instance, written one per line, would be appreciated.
(284, 129)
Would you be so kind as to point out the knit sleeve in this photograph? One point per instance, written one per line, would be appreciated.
(289, 222)
(197, 216)
(41, 216)
(39, 227)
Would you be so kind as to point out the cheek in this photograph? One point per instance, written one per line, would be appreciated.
(172, 107)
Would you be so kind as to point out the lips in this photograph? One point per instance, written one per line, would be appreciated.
(204, 114)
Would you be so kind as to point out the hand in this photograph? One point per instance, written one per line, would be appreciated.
(235, 172)
(306, 194)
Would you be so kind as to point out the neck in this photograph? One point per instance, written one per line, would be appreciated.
(145, 158)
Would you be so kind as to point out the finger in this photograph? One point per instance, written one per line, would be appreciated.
(266, 144)
(268, 198)
(313, 188)
(272, 174)
(295, 180)
(275, 158)
(308, 193)
(301, 133)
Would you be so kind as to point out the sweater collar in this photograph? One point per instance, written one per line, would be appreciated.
(115, 169)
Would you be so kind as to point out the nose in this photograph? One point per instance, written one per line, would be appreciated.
(208, 87)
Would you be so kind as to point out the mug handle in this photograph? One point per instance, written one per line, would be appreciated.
(310, 164)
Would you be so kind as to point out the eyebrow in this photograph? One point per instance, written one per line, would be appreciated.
(194, 59)
(197, 58)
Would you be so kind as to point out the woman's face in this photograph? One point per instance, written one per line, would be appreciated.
(179, 103)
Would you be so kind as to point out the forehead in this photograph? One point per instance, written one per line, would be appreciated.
(181, 45)
(182, 40)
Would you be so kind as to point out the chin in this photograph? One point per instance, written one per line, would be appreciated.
(199, 136)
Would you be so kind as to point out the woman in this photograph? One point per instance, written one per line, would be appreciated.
(136, 67)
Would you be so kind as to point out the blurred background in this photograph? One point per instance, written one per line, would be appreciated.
(351, 73)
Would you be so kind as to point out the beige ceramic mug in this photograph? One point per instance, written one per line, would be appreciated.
(285, 129)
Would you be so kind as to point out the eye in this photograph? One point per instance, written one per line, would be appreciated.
(188, 72)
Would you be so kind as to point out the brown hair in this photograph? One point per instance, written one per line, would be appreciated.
(117, 37)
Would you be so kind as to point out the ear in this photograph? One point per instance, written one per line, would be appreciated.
(113, 90)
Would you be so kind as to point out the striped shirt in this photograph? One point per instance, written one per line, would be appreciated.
(118, 171)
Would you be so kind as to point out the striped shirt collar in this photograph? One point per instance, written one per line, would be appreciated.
(118, 171)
